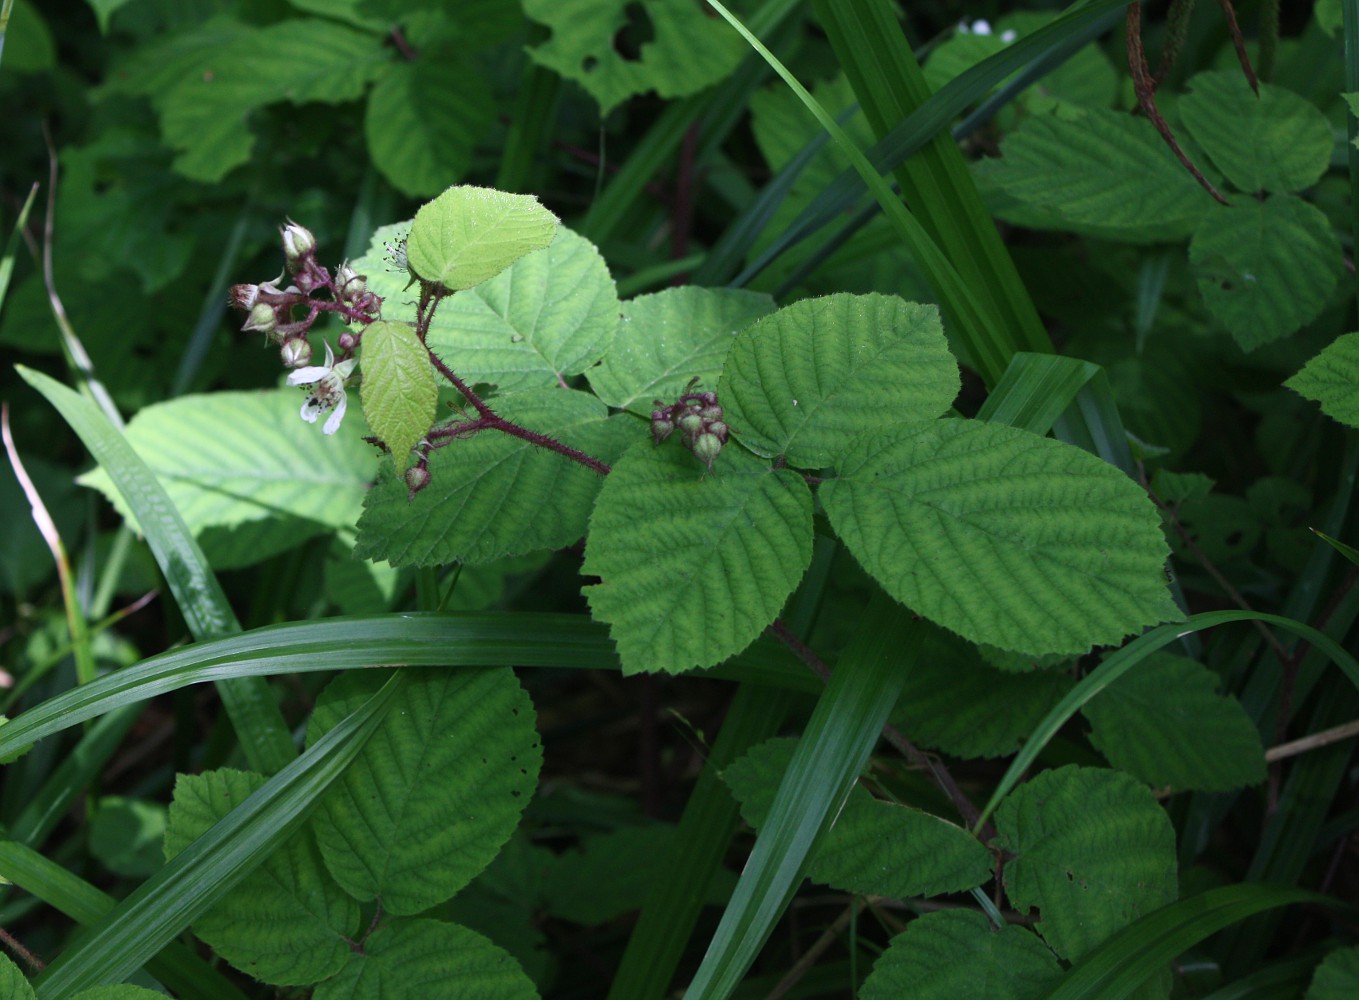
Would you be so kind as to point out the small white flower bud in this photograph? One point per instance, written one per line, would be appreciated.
(296, 353)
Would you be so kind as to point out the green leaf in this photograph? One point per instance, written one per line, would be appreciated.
(956, 702)
(1091, 849)
(1002, 536)
(1265, 268)
(120, 992)
(287, 922)
(427, 958)
(1337, 977)
(13, 985)
(1275, 142)
(469, 234)
(1332, 379)
(247, 475)
(551, 314)
(30, 47)
(428, 803)
(694, 565)
(398, 390)
(1101, 172)
(1165, 723)
(805, 381)
(670, 337)
(423, 121)
(875, 847)
(958, 953)
(494, 495)
(126, 835)
(680, 50)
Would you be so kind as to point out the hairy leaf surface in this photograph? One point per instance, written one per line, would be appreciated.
(1332, 379)
(1005, 537)
(469, 234)
(398, 388)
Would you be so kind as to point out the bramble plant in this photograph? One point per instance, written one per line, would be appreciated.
(971, 561)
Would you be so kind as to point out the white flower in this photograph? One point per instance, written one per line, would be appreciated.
(327, 389)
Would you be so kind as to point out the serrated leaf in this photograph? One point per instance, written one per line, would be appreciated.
(423, 121)
(248, 476)
(1337, 978)
(1332, 379)
(1002, 536)
(551, 314)
(1265, 268)
(1276, 141)
(13, 983)
(670, 337)
(286, 923)
(493, 495)
(805, 381)
(1102, 172)
(398, 390)
(126, 835)
(680, 50)
(1165, 723)
(694, 565)
(427, 958)
(958, 953)
(436, 792)
(875, 847)
(956, 702)
(469, 234)
(1091, 849)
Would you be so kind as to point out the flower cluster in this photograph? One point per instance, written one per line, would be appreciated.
(698, 416)
(286, 314)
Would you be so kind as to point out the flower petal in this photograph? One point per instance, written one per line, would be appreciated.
(306, 376)
(311, 409)
(333, 424)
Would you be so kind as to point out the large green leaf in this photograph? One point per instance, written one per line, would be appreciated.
(1165, 723)
(693, 564)
(670, 337)
(1005, 537)
(958, 953)
(805, 381)
(1265, 268)
(247, 475)
(399, 392)
(679, 49)
(875, 847)
(12, 982)
(1101, 172)
(1091, 849)
(428, 803)
(424, 118)
(428, 958)
(287, 922)
(469, 234)
(1274, 141)
(1332, 379)
(492, 494)
(551, 314)
(1337, 977)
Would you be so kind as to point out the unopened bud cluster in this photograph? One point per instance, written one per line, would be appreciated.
(698, 417)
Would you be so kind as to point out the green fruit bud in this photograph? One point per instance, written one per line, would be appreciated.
(417, 478)
(296, 353)
(706, 448)
(690, 424)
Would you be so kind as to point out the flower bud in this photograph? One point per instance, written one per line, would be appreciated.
(243, 297)
(711, 412)
(718, 430)
(690, 423)
(350, 284)
(706, 448)
(295, 353)
(298, 241)
(661, 425)
(347, 342)
(417, 478)
(262, 317)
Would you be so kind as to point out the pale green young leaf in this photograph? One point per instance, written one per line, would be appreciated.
(1337, 978)
(875, 847)
(956, 702)
(1275, 142)
(1007, 538)
(550, 315)
(1165, 723)
(1100, 172)
(13, 984)
(494, 495)
(682, 50)
(469, 234)
(398, 390)
(1265, 268)
(428, 958)
(670, 337)
(247, 475)
(958, 953)
(807, 380)
(287, 922)
(1332, 379)
(694, 564)
(1092, 850)
(423, 120)
(428, 803)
